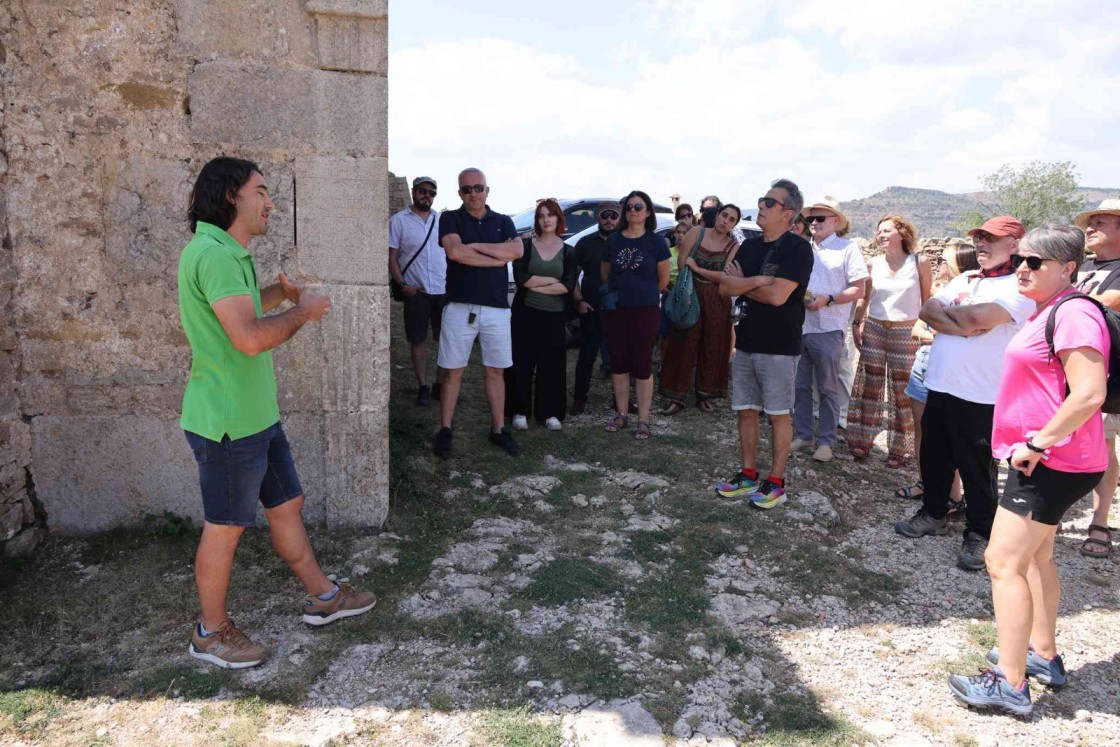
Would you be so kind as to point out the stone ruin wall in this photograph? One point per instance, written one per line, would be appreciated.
(110, 110)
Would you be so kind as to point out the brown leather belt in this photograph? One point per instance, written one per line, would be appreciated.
(885, 324)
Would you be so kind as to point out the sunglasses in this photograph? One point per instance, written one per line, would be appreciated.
(1034, 263)
(634, 207)
(769, 202)
(476, 188)
(817, 218)
(609, 215)
(686, 216)
(425, 192)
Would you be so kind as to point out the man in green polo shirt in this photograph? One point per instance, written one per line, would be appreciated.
(230, 414)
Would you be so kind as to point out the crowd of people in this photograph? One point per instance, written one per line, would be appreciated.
(994, 352)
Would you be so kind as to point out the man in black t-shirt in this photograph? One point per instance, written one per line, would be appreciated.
(479, 243)
(590, 251)
(1100, 278)
(771, 274)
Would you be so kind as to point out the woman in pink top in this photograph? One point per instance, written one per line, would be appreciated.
(1054, 443)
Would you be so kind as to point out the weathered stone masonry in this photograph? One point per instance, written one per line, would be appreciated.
(110, 109)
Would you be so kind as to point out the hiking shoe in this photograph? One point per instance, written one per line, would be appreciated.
(768, 495)
(346, 603)
(990, 689)
(424, 396)
(505, 441)
(553, 424)
(972, 552)
(823, 453)
(921, 524)
(227, 647)
(578, 406)
(1050, 672)
(520, 423)
(797, 444)
(443, 443)
(739, 485)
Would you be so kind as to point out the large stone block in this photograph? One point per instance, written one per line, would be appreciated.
(342, 363)
(352, 43)
(357, 459)
(343, 237)
(269, 30)
(258, 106)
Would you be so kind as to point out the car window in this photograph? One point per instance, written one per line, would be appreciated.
(579, 219)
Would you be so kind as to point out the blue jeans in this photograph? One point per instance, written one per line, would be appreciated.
(820, 363)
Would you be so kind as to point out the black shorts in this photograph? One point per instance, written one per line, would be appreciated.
(420, 311)
(1046, 494)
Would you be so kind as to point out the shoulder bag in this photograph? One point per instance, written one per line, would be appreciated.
(682, 305)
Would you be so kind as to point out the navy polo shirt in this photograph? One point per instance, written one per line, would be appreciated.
(482, 286)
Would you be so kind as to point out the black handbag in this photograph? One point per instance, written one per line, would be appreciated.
(396, 290)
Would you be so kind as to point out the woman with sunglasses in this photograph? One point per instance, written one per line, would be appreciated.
(684, 211)
(1048, 425)
(545, 275)
(900, 284)
(704, 345)
(634, 273)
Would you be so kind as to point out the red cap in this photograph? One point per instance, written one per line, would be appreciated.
(1001, 225)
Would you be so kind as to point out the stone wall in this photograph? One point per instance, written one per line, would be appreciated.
(400, 196)
(112, 110)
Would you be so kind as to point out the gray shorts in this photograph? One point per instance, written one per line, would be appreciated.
(763, 382)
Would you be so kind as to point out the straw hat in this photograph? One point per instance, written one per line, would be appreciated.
(832, 205)
(1107, 207)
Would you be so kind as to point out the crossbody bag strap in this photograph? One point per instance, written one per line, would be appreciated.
(699, 241)
(421, 249)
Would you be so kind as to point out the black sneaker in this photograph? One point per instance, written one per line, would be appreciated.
(505, 441)
(424, 396)
(443, 443)
(972, 552)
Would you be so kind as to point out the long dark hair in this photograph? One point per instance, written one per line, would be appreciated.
(651, 218)
(213, 191)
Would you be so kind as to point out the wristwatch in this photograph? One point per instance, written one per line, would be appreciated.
(831, 300)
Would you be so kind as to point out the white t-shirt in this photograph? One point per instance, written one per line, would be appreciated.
(837, 263)
(970, 368)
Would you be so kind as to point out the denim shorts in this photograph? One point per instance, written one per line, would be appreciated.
(235, 474)
(916, 387)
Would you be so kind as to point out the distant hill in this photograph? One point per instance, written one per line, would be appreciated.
(933, 211)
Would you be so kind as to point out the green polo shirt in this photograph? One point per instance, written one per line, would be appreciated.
(228, 393)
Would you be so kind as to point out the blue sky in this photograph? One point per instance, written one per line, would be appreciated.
(722, 96)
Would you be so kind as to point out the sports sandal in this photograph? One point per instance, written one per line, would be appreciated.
(617, 423)
(1097, 548)
(641, 433)
(917, 490)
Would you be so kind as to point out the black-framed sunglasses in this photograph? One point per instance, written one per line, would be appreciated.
(609, 215)
(634, 207)
(817, 218)
(1033, 263)
(478, 189)
(425, 192)
(769, 202)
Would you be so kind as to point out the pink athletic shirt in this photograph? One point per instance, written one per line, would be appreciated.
(1033, 388)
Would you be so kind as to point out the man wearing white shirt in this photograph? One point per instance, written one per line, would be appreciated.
(975, 316)
(414, 244)
(839, 271)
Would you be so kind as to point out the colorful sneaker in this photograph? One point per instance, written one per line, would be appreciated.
(739, 485)
(227, 647)
(768, 495)
(346, 603)
(1050, 672)
(990, 689)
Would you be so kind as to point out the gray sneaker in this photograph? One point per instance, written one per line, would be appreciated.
(921, 524)
(1051, 672)
(991, 690)
(972, 552)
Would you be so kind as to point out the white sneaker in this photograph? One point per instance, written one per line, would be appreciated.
(553, 424)
(520, 423)
(797, 444)
(823, 453)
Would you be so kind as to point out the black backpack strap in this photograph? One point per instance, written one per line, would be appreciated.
(1051, 320)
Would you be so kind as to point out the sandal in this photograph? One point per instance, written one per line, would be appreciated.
(956, 510)
(915, 491)
(704, 405)
(641, 433)
(617, 423)
(1105, 545)
(859, 454)
(672, 408)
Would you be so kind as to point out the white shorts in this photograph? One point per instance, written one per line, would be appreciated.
(457, 333)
